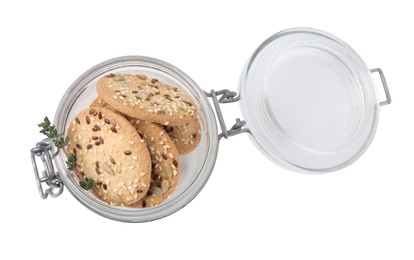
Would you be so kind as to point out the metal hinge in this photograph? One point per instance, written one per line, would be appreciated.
(49, 176)
(227, 96)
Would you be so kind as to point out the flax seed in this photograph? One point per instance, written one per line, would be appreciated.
(112, 160)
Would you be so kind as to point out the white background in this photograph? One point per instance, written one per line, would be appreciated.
(250, 208)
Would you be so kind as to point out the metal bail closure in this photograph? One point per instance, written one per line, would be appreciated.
(227, 96)
(49, 176)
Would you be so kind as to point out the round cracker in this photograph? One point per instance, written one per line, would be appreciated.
(110, 151)
(146, 99)
(165, 163)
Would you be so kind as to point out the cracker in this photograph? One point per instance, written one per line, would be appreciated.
(165, 163)
(185, 137)
(146, 99)
(110, 151)
(164, 159)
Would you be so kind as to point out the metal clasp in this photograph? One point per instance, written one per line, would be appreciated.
(49, 176)
(384, 85)
(227, 96)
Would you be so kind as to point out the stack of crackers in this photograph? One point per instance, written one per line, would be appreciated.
(129, 140)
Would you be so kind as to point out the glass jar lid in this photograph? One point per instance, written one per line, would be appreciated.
(309, 101)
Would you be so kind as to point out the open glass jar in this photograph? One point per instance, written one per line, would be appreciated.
(309, 102)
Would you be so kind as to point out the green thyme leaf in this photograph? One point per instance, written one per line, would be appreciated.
(50, 131)
(88, 184)
(71, 162)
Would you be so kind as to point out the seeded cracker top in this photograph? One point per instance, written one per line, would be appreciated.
(146, 99)
(110, 151)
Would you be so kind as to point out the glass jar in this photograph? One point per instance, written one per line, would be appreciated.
(309, 102)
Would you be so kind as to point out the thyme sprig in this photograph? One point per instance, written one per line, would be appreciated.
(71, 162)
(50, 131)
(87, 184)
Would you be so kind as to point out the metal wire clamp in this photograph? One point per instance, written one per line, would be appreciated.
(227, 96)
(49, 176)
